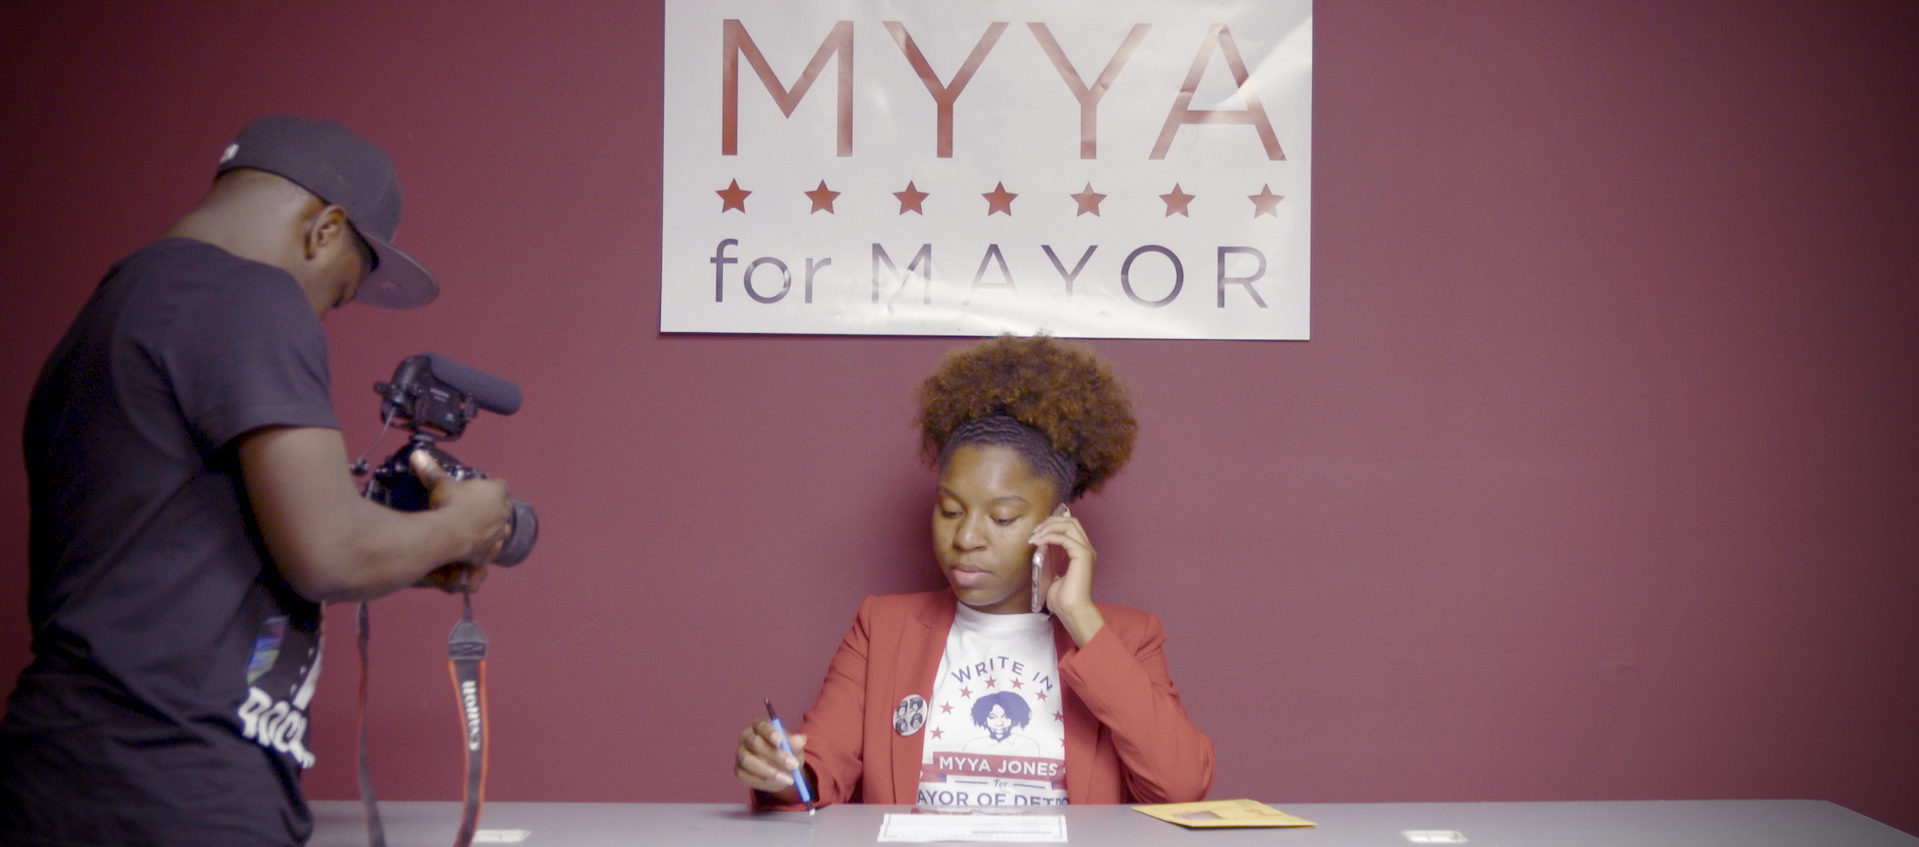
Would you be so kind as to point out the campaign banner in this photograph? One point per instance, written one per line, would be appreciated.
(1120, 169)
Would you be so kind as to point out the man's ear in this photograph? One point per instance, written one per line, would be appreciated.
(327, 229)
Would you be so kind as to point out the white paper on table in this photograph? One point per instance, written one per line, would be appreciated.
(917, 828)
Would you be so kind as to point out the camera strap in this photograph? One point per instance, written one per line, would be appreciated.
(466, 664)
(375, 831)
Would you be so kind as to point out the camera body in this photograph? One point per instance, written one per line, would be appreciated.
(436, 398)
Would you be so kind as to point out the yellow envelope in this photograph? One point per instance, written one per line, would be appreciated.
(1217, 813)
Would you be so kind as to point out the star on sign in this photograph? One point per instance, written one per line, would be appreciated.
(935, 733)
(946, 708)
(1265, 202)
(992, 683)
(1059, 717)
(1019, 683)
(911, 198)
(822, 198)
(733, 197)
(1177, 201)
(966, 692)
(1088, 201)
(999, 200)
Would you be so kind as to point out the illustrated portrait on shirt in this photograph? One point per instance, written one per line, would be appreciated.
(1002, 714)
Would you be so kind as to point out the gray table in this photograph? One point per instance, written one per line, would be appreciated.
(1678, 823)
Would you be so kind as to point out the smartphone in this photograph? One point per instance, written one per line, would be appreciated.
(1041, 555)
(1039, 567)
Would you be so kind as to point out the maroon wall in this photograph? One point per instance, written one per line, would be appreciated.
(1597, 481)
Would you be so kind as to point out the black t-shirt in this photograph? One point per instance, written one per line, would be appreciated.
(166, 702)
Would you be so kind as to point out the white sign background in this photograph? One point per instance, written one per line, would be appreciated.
(1209, 240)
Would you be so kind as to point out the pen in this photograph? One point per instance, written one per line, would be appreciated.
(799, 771)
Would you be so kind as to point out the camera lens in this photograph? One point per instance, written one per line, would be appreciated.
(519, 542)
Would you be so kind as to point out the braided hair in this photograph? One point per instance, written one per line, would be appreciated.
(1055, 403)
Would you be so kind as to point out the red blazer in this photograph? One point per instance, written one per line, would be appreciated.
(1128, 740)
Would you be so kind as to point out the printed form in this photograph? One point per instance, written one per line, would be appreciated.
(920, 828)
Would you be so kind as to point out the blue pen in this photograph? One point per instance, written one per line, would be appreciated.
(799, 773)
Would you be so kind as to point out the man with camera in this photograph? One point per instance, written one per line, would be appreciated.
(192, 508)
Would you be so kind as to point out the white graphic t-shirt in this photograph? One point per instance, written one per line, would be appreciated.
(995, 733)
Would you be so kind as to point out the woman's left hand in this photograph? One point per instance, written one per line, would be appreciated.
(1070, 594)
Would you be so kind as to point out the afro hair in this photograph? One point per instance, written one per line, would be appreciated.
(1062, 390)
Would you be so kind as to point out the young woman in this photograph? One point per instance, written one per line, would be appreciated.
(973, 695)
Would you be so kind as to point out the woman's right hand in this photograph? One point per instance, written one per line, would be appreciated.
(759, 763)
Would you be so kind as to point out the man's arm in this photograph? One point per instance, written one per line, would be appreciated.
(331, 544)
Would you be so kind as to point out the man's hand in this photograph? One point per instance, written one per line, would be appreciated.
(332, 544)
(456, 578)
(486, 499)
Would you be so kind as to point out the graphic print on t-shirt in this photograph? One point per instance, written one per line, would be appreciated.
(1003, 714)
(996, 734)
(280, 681)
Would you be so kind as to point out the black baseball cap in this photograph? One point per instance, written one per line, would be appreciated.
(348, 171)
